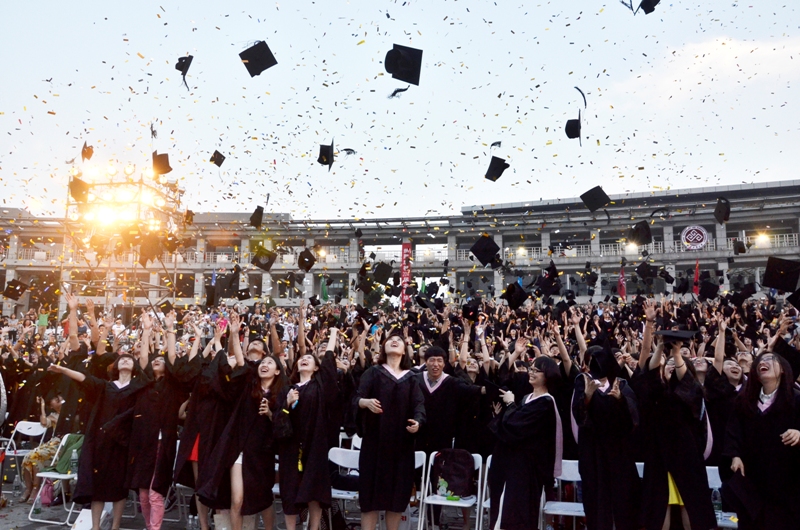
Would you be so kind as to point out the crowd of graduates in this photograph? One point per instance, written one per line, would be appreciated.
(212, 398)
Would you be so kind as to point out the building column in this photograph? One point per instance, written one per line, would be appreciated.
(546, 241)
(671, 271)
(9, 304)
(353, 256)
(594, 243)
(266, 284)
(13, 245)
(198, 287)
(154, 294)
(721, 235)
(244, 248)
(355, 296)
(201, 250)
(498, 275)
(62, 302)
(723, 266)
(452, 248)
(669, 237)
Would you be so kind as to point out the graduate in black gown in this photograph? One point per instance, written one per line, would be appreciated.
(527, 455)
(154, 435)
(390, 409)
(303, 458)
(243, 469)
(763, 446)
(605, 412)
(103, 459)
(674, 431)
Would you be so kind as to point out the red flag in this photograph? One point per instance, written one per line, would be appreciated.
(696, 288)
(621, 284)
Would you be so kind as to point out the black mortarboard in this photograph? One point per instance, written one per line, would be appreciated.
(676, 335)
(432, 289)
(183, 65)
(425, 301)
(365, 285)
(640, 234)
(381, 273)
(359, 233)
(722, 212)
(708, 290)
(328, 281)
(781, 274)
(747, 291)
(794, 299)
(257, 217)
(306, 260)
(314, 301)
(243, 294)
(594, 199)
(217, 158)
(263, 258)
(149, 249)
(573, 128)
(188, 217)
(615, 300)
(326, 155)
(396, 290)
(161, 163)
(644, 270)
(86, 152)
(404, 63)
(257, 58)
(668, 278)
(165, 307)
(79, 190)
(515, 295)
(485, 249)
(470, 311)
(731, 261)
(14, 289)
(337, 299)
(648, 6)
(496, 168)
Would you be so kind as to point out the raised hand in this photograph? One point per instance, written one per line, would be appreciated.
(169, 320)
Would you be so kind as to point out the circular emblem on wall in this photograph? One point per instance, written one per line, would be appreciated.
(694, 237)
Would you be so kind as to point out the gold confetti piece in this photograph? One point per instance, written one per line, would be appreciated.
(549, 142)
(140, 55)
(51, 112)
(360, 42)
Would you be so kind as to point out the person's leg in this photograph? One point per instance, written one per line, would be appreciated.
(465, 516)
(156, 510)
(268, 516)
(369, 520)
(27, 480)
(289, 520)
(97, 513)
(202, 509)
(393, 520)
(118, 508)
(687, 525)
(144, 501)
(667, 519)
(314, 515)
(237, 496)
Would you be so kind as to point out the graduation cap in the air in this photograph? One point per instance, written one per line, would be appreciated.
(359, 233)
(794, 299)
(263, 258)
(469, 311)
(258, 58)
(161, 163)
(188, 217)
(672, 336)
(381, 273)
(573, 129)
(640, 234)
(739, 248)
(257, 217)
(183, 65)
(314, 301)
(404, 63)
(515, 295)
(217, 158)
(423, 300)
(171, 242)
(738, 298)
(243, 294)
(326, 155)
(781, 274)
(79, 190)
(365, 285)
(722, 212)
(86, 152)
(306, 260)
(644, 270)
(165, 307)
(14, 289)
(664, 273)
(496, 168)
(485, 249)
(149, 249)
(595, 198)
(648, 6)
(708, 290)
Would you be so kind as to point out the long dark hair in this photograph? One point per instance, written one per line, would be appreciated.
(549, 368)
(295, 377)
(405, 360)
(113, 370)
(749, 398)
(279, 382)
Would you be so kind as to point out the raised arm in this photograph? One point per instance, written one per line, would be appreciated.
(301, 330)
(72, 374)
(234, 346)
(562, 349)
(463, 355)
(647, 336)
(144, 343)
(196, 344)
(719, 345)
(72, 303)
(92, 319)
(169, 330)
(576, 322)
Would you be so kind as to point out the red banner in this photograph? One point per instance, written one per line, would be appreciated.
(621, 286)
(405, 272)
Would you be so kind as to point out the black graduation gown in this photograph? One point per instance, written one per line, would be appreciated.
(611, 485)
(154, 438)
(563, 395)
(207, 414)
(309, 442)
(769, 465)
(75, 410)
(473, 432)
(103, 460)
(250, 434)
(674, 430)
(720, 399)
(444, 406)
(523, 461)
(386, 461)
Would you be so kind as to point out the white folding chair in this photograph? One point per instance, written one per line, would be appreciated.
(32, 429)
(569, 473)
(428, 500)
(355, 442)
(640, 469)
(727, 519)
(52, 475)
(346, 459)
(486, 498)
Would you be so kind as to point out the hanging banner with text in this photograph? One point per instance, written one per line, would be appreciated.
(405, 272)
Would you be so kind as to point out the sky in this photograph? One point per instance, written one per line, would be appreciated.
(694, 94)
